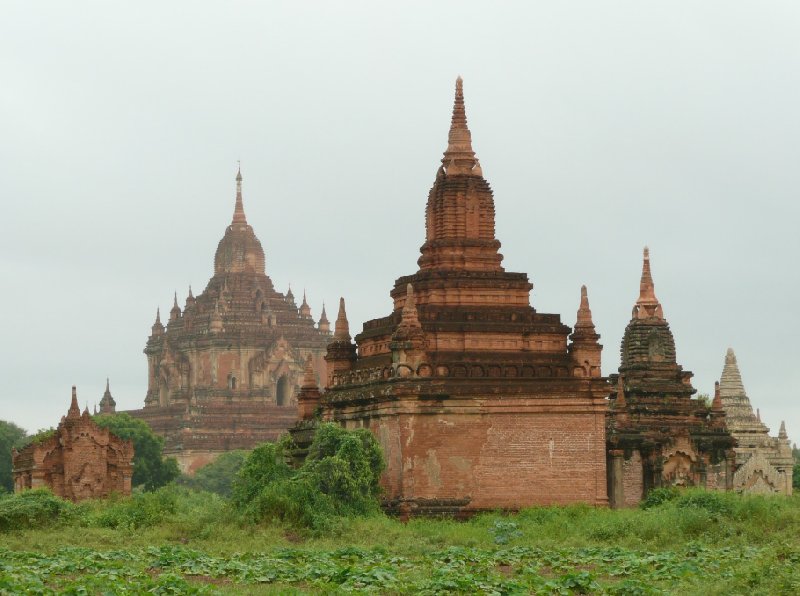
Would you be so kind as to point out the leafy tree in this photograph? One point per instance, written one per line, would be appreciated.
(150, 468)
(796, 469)
(340, 477)
(11, 436)
(218, 476)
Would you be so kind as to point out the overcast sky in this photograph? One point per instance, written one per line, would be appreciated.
(601, 126)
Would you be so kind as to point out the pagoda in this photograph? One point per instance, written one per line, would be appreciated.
(764, 464)
(657, 434)
(478, 400)
(225, 371)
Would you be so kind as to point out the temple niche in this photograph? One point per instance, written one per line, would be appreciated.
(225, 371)
(79, 461)
(657, 434)
(478, 400)
(764, 464)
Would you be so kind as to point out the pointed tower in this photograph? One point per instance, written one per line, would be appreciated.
(239, 251)
(341, 351)
(107, 403)
(226, 372)
(585, 348)
(464, 371)
(764, 464)
(305, 309)
(740, 417)
(324, 325)
(459, 217)
(157, 328)
(666, 437)
(74, 409)
(175, 313)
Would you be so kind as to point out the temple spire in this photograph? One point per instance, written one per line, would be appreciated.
(309, 378)
(342, 327)
(459, 158)
(410, 317)
(647, 306)
(74, 409)
(716, 404)
(238, 211)
(782, 432)
(584, 312)
(324, 325)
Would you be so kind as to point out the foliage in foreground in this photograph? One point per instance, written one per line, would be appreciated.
(178, 541)
(150, 468)
(340, 477)
(217, 477)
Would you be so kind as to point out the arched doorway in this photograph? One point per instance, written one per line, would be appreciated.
(282, 391)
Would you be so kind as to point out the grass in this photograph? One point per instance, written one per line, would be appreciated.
(179, 541)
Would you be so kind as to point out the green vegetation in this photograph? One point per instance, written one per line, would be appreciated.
(175, 540)
(796, 469)
(218, 476)
(11, 436)
(339, 478)
(150, 469)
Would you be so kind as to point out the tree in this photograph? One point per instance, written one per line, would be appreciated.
(796, 469)
(11, 436)
(218, 476)
(150, 468)
(340, 477)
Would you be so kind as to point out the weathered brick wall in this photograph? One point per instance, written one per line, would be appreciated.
(633, 479)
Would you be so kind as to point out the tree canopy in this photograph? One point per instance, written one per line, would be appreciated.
(11, 436)
(150, 468)
(218, 476)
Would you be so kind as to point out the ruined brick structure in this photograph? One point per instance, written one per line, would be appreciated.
(225, 372)
(657, 434)
(763, 464)
(80, 461)
(478, 400)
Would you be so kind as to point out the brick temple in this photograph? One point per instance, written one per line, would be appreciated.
(79, 461)
(657, 434)
(478, 400)
(763, 463)
(225, 371)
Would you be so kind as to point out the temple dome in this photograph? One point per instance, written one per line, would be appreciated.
(239, 251)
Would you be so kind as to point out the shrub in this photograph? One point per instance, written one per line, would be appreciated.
(140, 510)
(340, 477)
(659, 496)
(37, 508)
(218, 476)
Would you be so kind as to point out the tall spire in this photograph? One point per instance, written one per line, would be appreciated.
(410, 317)
(74, 409)
(459, 158)
(157, 328)
(782, 432)
(342, 327)
(584, 312)
(305, 309)
(175, 313)
(238, 211)
(324, 325)
(107, 403)
(647, 306)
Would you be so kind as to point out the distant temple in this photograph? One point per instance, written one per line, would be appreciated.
(764, 464)
(79, 461)
(225, 371)
(478, 400)
(657, 435)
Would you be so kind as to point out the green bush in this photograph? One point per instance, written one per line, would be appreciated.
(218, 476)
(340, 477)
(37, 508)
(659, 496)
(140, 510)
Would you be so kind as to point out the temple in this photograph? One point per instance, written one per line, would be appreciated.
(657, 434)
(79, 461)
(224, 372)
(763, 464)
(478, 400)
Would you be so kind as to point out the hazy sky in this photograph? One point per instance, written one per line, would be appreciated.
(601, 126)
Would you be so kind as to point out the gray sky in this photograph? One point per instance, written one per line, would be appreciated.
(602, 127)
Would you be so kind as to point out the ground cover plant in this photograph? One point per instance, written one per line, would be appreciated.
(175, 540)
